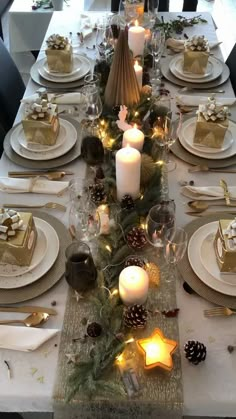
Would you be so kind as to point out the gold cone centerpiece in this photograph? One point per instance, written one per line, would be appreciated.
(122, 86)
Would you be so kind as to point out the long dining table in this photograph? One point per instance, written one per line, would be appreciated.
(209, 389)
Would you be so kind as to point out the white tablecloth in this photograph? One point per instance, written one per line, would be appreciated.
(210, 388)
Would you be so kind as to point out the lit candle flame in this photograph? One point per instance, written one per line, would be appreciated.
(129, 340)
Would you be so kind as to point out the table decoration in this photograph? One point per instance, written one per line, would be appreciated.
(47, 164)
(128, 163)
(157, 350)
(136, 39)
(133, 137)
(178, 25)
(12, 296)
(195, 352)
(139, 73)
(59, 54)
(196, 54)
(133, 285)
(122, 85)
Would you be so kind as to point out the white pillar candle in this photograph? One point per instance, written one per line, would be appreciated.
(136, 38)
(139, 74)
(133, 137)
(133, 285)
(128, 168)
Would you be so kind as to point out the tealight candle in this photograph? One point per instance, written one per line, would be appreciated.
(139, 74)
(157, 350)
(128, 168)
(136, 39)
(133, 285)
(133, 137)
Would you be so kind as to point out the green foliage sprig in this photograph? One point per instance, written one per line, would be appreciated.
(178, 25)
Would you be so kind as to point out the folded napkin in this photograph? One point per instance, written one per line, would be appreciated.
(177, 45)
(85, 25)
(207, 193)
(59, 98)
(24, 338)
(191, 100)
(35, 185)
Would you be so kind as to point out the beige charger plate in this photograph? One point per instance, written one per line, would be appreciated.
(192, 279)
(48, 280)
(165, 69)
(45, 164)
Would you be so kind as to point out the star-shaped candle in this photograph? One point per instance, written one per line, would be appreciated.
(158, 350)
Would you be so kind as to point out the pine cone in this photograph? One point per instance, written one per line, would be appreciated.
(99, 173)
(94, 330)
(134, 261)
(97, 193)
(136, 238)
(195, 351)
(127, 202)
(135, 316)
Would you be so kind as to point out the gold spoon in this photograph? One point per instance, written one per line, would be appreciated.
(205, 168)
(35, 319)
(200, 206)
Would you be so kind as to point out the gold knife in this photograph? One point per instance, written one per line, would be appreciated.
(205, 214)
(28, 309)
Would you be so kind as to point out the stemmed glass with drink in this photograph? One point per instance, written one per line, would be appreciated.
(92, 105)
(160, 218)
(175, 245)
(155, 45)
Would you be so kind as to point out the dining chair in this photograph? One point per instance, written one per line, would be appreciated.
(11, 88)
(2, 136)
(231, 63)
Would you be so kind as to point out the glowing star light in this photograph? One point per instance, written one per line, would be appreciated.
(158, 350)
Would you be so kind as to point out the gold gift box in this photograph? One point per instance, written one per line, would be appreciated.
(134, 11)
(43, 131)
(209, 133)
(195, 61)
(225, 256)
(60, 60)
(19, 249)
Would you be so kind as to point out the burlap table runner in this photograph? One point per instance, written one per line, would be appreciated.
(161, 392)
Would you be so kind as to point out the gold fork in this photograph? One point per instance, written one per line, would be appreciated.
(50, 205)
(224, 185)
(218, 311)
(49, 175)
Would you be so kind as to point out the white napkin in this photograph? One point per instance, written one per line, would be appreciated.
(25, 339)
(59, 98)
(85, 25)
(192, 100)
(35, 185)
(177, 45)
(207, 193)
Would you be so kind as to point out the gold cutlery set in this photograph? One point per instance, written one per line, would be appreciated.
(38, 315)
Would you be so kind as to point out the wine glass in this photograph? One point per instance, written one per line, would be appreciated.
(160, 218)
(104, 39)
(155, 45)
(92, 105)
(175, 245)
(84, 220)
(152, 8)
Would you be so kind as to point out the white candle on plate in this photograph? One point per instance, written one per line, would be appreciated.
(139, 74)
(133, 285)
(133, 137)
(128, 168)
(136, 39)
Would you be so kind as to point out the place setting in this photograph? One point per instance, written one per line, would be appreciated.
(209, 137)
(62, 68)
(44, 139)
(195, 67)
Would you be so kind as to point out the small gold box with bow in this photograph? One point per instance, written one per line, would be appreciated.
(196, 54)
(225, 246)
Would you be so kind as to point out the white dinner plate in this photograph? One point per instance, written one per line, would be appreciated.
(176, 68)
(186, 136)
(84, 69)
(8, 270)
(194, 256)
(45, 264)
(71, 137)
(208, 258)
(39, 148)
(75, 69)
